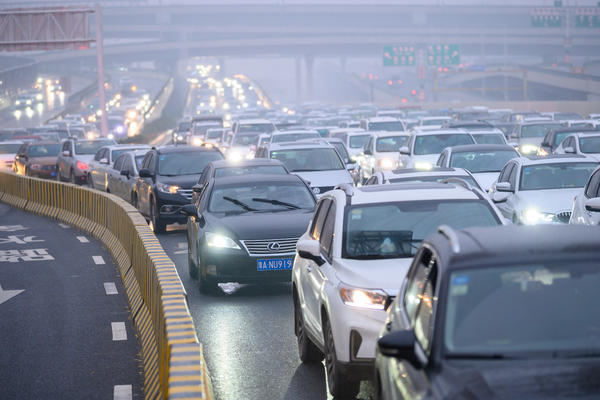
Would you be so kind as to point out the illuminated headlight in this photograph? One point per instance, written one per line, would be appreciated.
(528, 149)
(220, 241)
(109, 136)
(17, 102)
(196, 141)
(131, 114)
(35, 166)
(363, 298)
(120, 129)
(423, 165)
(179, 137)
(531, 216)
(39, 97)
(28, 102)
(542, 152)
(167, 188)
(386, 163)
(234, 156)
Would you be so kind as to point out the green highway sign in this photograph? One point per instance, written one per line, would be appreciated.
(443, 54)
(398, 56)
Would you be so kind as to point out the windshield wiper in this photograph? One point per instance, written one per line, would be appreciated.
(377, 256)
(239, 203)
(276, 203)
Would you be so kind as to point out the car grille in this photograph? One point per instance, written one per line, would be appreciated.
(563, 217)
(268, 247)
(187, 193)
(321, 189)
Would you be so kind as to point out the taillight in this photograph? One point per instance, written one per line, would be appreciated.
(82, 165)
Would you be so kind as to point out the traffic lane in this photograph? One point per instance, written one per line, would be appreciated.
(247, 332)
(58, 333)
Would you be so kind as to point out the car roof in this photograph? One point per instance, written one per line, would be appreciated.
(456, 131)
(380, 134)
(505, 243)
(574, 129)
(481, 147)
(300, 144)
(245, 163)
(254, 121)
(414, 173)
(554, 158)
(581, 134)
(127, 146)
(12, 142)
(468, 124)
(256, 178)
(541, 121)
(486, 131)
(382, 119)
(413, 191)
(294, 131)
(184, 149)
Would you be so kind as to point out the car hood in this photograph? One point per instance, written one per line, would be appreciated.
(486, 179)
(43, 160)
(519, 379)
(424, 158)
(550, 201)
(325, 178)
(531, 140)
(183, 181)
(252, 226)
(386, 275)
(86, 158)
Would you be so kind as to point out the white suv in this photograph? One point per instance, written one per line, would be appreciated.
(354, 257)
(423, 148)
(586, 206)
(381, 153)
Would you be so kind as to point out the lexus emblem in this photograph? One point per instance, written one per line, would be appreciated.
(273, 246)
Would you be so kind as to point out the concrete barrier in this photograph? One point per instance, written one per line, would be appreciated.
(174, 366)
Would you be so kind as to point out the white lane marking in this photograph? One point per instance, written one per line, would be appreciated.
(6, 295)
(98, 260)
(83, 239)
(180, 252)
(122, 392)
(64, 226)
(182, 245)
(118, 331)
(110, 288)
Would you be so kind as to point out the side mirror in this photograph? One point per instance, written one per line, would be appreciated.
(545, 144)
(145, 173)
(401, 345)
(569, 150)
(351, 166)
(499, 197)
(66, 153)
(197, 188)
(104, 161)
(504, 187)
(311, 250)
(593, 205)
(125, 172)
(189, 210)
(404, 150)
(367, 152)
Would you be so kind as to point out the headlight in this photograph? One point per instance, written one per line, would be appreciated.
(531, 216)
(17, 102)
(28, 102)
(423, 165)
(386, 163)
(39, 97)
(363, 298)
(179, 137)
(528, 148)
(220, 241)
(542, 152)
(234, 156)
(197, 141)
(110, 136)
(36, 166)
(167, 188)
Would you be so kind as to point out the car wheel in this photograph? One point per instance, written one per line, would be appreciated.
(192, 267)
(339, 385)
(134, 200)
(156, 224)
(206, 284)
(90, 182)
(307, 351)
(72, 178)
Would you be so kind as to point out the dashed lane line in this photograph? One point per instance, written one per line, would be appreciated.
(110, 288)
(122, 392)
(182, 245)
(83, 239)
(64, 226)
(118, 331)
(98, 260)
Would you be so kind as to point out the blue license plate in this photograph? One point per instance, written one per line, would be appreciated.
(52, 173)
(274, 264)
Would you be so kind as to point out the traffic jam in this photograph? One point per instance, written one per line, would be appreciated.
(443, 253)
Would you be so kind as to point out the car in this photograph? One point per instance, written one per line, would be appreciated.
(381, 153)
(432, 123)
(124, 173)
(165, 182)
(468, 125)
(529, 135)
(581, 123)
(314, 161)
(37, 159)
(562, 116)
(216, 136)
(540, 190)
(246, 134)
(28, 100)
(354, 139)
(488, 136)
(496, 312)
(341, 148)
(351, 262)
(387, 124)
(483, 161)
(423, 148)
(435, 174)
(586, 206)
(103, 161)
(587, 144)
(554, 137)
(8, 151)
(293, 135)
(75, 156)
(228, 239)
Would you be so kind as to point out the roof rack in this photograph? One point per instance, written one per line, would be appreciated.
(450, 234)
(459, 181)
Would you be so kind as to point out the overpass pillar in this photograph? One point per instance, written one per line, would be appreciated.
(310, 62)
(298, 80)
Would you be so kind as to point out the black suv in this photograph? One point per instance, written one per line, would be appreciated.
(166, 179)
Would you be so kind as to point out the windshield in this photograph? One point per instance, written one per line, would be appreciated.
(117, 153)
(46, 150)
(391, 126)
(435, 144)
(534, 308)
(482, 161)
(293, 137)
(9, 148)
(201, 128)
(590, 145)
(437, 178)
(263, 196)
(537, 130)
(309, 159)
(566, 116)
(559, 137)
(245, 140)
(186, 163)
(358, 141)
(390, 143)
(395, 230)
(184, 126)
(259, 128)
(89, 146)
(138, 161)
(489, 138)
(556, 176)
(434, 122)
(255, 169)
(213, 134)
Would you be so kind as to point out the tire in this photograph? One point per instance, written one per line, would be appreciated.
(156, 224)
(307, 351)
(72, 178)
(90, 182)
(59, 177)
(192, 267)
(339, 385)
(134, 200)
(205, 284)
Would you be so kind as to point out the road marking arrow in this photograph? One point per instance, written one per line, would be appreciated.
(6, 295)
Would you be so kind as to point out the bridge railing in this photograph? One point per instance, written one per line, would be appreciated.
(174, 365)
